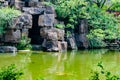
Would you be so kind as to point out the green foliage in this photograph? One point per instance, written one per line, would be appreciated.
(6, 14)
(101, 19)
(47, 3)
(10, 73)
(107, 74)
(71, 11)
(60, 26)
(95, 76)
(115, 5)
(102, 25)
(96, 38)
(24, 43)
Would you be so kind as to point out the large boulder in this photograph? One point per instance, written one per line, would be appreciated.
(81, 41)
(46, 20)
(62, 46)
(12, 36)
(19, 5)
(3, 3)
(49, 10)
(51, 36)
(11, 3)
(60, 33)
(22, 21)
(50, 46)
(36, 3)
(53, 39)
(8, 49)
(71, 42)
(82, 28)
(53, 33)
(33, 10)
(54, 46)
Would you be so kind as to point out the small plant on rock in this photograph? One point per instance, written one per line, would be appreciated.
(6, 14)
(24, 43)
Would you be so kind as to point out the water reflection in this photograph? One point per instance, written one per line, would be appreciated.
(75, 64)
(70, 65)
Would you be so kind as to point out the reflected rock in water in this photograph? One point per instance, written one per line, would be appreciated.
(8, 49)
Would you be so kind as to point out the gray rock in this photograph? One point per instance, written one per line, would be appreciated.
(11, 3)
(8, 49)
(33, 10)
(60, 33)
(46, 20)
(19, 5)
(50, 46)
(83, 26)
(23, 21)
(71, 43)
(33, 3)
(52, 34)
(3, 4)
(81, 41)
(62, 46)
(12, 36)
(49, 10)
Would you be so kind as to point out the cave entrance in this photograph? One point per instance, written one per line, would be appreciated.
(34, 32)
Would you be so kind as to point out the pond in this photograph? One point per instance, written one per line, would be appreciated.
(70, 65)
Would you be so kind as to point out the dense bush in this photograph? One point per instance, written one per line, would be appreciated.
(10, 73)
(6, 14)
(102, 26)
(96, 38)
(71, 11)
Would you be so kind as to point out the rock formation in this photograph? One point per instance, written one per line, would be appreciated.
(37, 22)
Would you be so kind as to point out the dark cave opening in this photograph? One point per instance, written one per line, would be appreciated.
(34, 32)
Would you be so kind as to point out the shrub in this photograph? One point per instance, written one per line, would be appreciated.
(101, 21)
(24, 43)
(6, 14)
(96, 38)
(10, 73)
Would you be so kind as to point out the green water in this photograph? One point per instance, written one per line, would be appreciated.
(71, 65)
